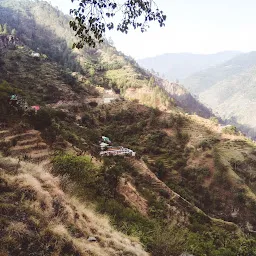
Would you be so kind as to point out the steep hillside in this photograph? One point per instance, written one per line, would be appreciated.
(229, 90)
(184, 99)
(173, 188)
(190, 188)
(234, 99)
(178, 66)
(38, 218)
(46, 30)
(183, 164)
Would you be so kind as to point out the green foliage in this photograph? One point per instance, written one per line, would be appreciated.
(7, 112)
(151, 82)
(159, 240)
(168, 241)
(217, 242)
(204, 144)
(52, 44)
(92, 71)
(214, 119)
(240, 197)
(92, 18)
(88, 120)
(160, 169)
(78, 168)
(71, 137)
(182, 137)
(221, 169)
(196, 174)
(5, 29)
(6, 90)
(230, 130)
(92, 182)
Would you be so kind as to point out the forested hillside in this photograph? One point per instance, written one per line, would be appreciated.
(229, 89)
(190, 188)
(174, 188)
(46, 30)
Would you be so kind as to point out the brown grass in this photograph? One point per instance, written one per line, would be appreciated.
(69, 219)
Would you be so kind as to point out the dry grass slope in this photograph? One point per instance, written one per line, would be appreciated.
(33, 204)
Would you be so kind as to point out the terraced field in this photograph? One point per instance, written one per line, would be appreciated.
(27, 146)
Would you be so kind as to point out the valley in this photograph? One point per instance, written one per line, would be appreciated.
(190, 188)
(229, 90)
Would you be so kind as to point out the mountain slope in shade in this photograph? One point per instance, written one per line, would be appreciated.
(184, 99)
(180, 65)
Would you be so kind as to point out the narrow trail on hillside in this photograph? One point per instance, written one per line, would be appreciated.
(182, 206)
(159, 185)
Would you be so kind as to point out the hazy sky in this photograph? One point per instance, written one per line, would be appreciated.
(197, 26)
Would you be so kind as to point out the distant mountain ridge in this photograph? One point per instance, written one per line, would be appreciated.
(175, 66)
(230, 90)
(201, 81)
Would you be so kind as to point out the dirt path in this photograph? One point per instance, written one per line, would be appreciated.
(160, 186)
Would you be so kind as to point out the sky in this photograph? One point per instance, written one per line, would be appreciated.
(196, 26)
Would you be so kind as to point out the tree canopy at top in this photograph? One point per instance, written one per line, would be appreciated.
(93, 17)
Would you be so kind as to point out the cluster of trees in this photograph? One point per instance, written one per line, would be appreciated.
(33, 21)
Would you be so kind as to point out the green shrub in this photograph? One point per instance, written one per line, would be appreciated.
(230, 130)
(214, 119)
(182, 137)
(196, 174)
(87, 120)
(71, 137)
(78, 168)
(49, 134)
(168, 241)
(159, 169)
